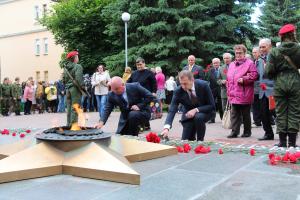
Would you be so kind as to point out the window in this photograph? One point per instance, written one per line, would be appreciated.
(45, 46)
(36, 12)
(46, 76)
(37, 47)
(44, 9)
(37, 75)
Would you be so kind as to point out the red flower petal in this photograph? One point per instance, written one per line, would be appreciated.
(273, 161)
(297, 154)
(292, 158)
(286, 157)
(271, 155)
(220, 151)
(179, 149)
(28, 131)
(278, 158)
(22, 135)
(14, 134)
(252, 152)
(186, 148)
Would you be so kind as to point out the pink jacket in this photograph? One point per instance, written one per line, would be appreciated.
(241, 93)
(160, 80)
(28, 93)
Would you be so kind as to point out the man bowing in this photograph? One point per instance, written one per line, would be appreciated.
(198, 103)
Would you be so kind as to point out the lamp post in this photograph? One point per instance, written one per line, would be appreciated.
(126, 18)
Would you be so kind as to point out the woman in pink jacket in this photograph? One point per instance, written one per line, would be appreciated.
(28, 96)
(240, 90)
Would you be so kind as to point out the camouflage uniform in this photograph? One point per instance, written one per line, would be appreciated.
(6, 94)
(286, 90)
(17, 96)
(72, 92)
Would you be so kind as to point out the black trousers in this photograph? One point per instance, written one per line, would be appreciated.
(241, 113)
(266, 116)
(27, 107)
(256, 110)
(134, 120)
(195, 125)
(219, 108)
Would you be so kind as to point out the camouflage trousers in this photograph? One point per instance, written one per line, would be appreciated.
(5, 105)
(287, 98)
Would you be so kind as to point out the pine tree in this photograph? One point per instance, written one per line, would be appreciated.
(165, 32)
(276, 13)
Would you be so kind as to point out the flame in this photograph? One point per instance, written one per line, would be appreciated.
(81, 119)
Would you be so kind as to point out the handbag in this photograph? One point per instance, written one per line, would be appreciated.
(271, 103)
(226, 121)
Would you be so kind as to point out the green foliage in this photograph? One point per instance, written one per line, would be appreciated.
(78, 24)
(276, 13)
(165, 32)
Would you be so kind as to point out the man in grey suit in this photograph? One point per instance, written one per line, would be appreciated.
(195, 69)
(198, 103)
(133, 101)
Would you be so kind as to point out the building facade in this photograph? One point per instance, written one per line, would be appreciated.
(27, 49)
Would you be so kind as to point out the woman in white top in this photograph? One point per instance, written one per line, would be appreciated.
(170, 87)
(100, 81)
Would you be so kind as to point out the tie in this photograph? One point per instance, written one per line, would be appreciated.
(193, 97)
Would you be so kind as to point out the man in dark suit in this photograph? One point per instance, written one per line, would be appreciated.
(195, 69)
(198, 103)
(133, 101)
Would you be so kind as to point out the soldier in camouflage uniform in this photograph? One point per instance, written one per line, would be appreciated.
(17, 95)
(72, 91)
(6, 94)
(282, 67)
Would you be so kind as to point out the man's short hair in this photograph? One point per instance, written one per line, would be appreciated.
(17, 79)
(186, 73)
(216, 59)
(265, 40)
(138, 60)
(227, 54)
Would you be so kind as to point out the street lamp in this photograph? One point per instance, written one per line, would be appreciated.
(126, 18)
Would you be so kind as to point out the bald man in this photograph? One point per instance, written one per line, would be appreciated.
(133, 101)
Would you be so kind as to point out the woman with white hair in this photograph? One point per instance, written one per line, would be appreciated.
(160, 93)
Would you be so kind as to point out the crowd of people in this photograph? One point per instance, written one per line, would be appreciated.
(244, 83)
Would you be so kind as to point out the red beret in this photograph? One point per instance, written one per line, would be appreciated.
(71, 54)
(286, 29)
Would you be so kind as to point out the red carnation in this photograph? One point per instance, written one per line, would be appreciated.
(252, 152)
(14, 134)
(225, 71)
(22, 135)
(220, 151)
(28, 131)
(278, 158)
(286, 157)
(271, 155)
(263, 86)
(179, 149)
(5, 132)
(292, 158)
(186, 148)
(297, 154)
(201, 149)
(273, 161)
(152, 137)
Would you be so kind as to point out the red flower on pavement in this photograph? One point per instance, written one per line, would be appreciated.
(252, 152)
(28, 131)
(179, 149)
(5, 132)
(263, 86)
(292, 158)
(220, 151)
(278, 158)
(22, 135)
(201, 149)
(286, 157)
(297, 154)
(271, 155)
(186, 148)
(152, 137)
(273, 161)
(14, 134)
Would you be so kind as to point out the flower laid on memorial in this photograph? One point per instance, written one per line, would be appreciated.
(15, 132)
(287, 158)
(152, 137)
(202, 149)
(252, 152)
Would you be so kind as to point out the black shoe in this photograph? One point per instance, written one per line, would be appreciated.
(267, 137)
(292, 139)
(246, 135)
(232, 135)
(282, 140)
(212, 121)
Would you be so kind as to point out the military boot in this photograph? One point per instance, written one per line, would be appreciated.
(282, 140)
(292, 139)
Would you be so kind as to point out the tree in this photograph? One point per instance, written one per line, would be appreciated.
(78, 24)
(165, 32)
(276, 13)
